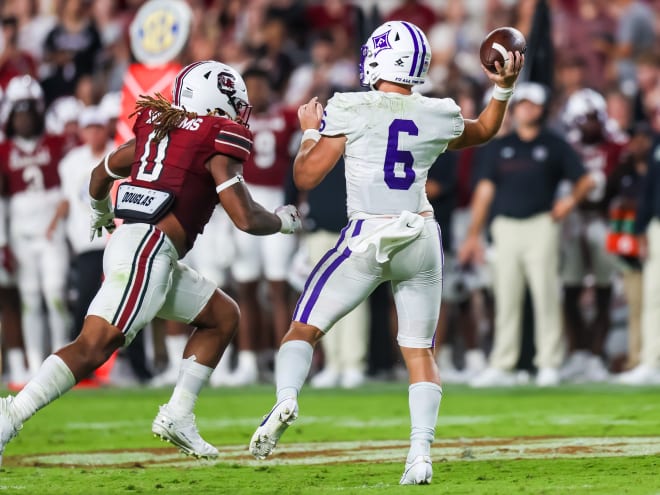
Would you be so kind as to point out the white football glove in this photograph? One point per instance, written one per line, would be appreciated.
(290, 219)
(103, 216)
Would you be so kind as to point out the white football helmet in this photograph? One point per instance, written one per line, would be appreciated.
(211, 87)
(23, 88)
(397, 51)
(582, 103)
(62, 111)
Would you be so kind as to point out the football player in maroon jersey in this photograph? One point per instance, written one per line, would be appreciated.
(28, 166)
(186, 157)
(264, 258)
(584, 235)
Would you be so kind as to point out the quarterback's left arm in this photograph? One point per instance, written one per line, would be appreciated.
(484, 128)
(317, 154)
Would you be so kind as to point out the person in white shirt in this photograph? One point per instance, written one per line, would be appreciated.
(74, 171)
(389, 138)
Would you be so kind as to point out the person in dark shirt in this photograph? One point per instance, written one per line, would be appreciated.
(647, 226)
(187, 156)
(517, 182)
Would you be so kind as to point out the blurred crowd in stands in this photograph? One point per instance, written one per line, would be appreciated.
(592, 311)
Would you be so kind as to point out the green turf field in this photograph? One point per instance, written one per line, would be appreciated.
(571, 440)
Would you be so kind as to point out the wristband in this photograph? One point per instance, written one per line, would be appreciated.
(107, 168)
(312, 134)
(502, 94)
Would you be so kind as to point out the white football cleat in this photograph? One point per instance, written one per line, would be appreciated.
(272, 427)
(494, 377)
(165, 379)
(8, 426)
(640, 375)
(326, 378)
(547, 377)
(418, 472)
(182, 432)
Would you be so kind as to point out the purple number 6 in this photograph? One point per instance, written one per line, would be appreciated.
(394, 155)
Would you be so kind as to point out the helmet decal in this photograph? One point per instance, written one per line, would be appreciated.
(381, 43)
(227, 83)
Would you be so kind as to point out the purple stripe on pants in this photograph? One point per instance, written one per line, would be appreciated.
(316, 291)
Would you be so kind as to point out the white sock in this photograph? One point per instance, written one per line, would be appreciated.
(292, 365)
(52, 380)
(224, 365)
(174, 346)
(16, 361)
(247, 362)
(192, 377)
(424, 402)
(58, 319)
(34, 329)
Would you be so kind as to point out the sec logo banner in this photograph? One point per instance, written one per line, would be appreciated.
(160, 30)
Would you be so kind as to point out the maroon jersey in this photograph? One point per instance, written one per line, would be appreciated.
(177, 164)
(270, 160)
(599, 160)
(31, 169)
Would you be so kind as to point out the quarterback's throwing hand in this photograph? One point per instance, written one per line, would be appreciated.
(103, 217)
(290, 219)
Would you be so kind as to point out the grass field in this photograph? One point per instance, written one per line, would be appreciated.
(569, 440)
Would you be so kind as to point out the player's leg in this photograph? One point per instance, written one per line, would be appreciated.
(12, 337)
(337, 284)
(277, 251)
(176, 339)
(54, 268)
(604, 269)
(417, 288)
(137, 267)
(58, 374)
(541, 259)
(195, 300)
(508, 291)
(211, 257)
(573, 271)
(247, 270)
(33, 319)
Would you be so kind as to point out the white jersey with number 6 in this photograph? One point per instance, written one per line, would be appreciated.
(393, 140)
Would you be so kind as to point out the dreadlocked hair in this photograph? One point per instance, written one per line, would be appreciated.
(165, 117)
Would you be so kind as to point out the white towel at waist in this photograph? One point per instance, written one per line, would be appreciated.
(392, 234)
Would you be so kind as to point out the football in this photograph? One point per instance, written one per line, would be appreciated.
(498, 43)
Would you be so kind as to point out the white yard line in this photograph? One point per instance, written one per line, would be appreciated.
(473, 449)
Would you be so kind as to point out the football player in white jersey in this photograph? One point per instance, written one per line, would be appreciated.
(389, 138)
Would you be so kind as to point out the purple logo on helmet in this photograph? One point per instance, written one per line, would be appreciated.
(381, 43)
